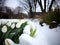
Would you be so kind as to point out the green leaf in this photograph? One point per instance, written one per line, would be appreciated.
(32, 32)
(18, 32)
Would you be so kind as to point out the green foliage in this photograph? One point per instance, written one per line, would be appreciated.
(32, 32)
(52, 16)
(18, 32)
(12, 34)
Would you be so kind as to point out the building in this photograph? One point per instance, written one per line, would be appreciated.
(38, 14)
(6, 13)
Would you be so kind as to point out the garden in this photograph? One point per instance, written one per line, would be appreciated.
(27, 32)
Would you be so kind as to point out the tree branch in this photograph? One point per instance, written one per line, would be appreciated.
(51, 5)
(44, 5)
(40, 4)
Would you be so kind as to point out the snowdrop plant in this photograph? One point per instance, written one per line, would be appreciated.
(32, 32)
(10, 31)
(8, 24)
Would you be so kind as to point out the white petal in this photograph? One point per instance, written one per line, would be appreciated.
(13, 26)
(4, 29)
(18, 25)
(8, 24)
(23, 20)
(9, 42)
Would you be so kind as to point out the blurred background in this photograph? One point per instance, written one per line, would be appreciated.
(20, 9)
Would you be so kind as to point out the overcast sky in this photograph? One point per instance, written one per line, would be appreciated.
(12, 3)
(15, 3)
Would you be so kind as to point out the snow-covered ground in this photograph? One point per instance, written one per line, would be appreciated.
(46, 36)
(43, 36)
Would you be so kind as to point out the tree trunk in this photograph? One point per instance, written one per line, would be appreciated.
(51, 5)
(44, 5)
(40, 4)
(30, 10)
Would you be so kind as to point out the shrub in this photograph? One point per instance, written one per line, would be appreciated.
(52, 18)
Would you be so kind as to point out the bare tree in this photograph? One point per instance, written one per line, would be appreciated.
(2, 2)
(50, 4)
(30, 6)
(40, 4)
(44, 5)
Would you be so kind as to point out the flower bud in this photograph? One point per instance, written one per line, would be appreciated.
(4, 29)
(13, 26)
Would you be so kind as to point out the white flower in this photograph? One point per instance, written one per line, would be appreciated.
(18, 25)
(7, 42)
(23, 20)
(8, 24)
(13, 26)
(10, 42)
(4, 29)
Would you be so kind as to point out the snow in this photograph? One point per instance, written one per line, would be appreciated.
(43, 36)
